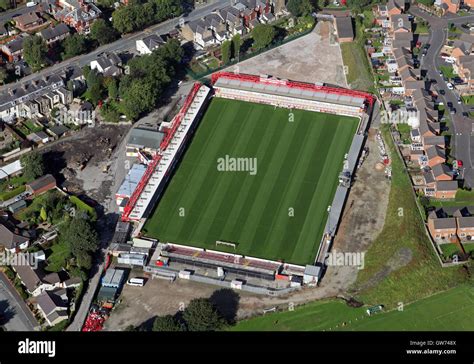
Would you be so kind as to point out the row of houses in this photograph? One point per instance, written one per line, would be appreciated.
(446, 229)
(428, 147)
(239, 18)
(461, 51)
(72, 14)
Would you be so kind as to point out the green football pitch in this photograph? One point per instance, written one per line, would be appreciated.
(446, 311)
(277, 213)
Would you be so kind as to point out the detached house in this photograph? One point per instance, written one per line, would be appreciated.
(12, 239)
(28, 21)
(53, 306)
(148, 44)
(108, 65)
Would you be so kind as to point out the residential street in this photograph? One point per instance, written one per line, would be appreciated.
(126, 43)
(463, 141)
(18, 317)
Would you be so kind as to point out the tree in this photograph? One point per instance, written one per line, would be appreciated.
(95, 88)
(166, 323)
(139, 98)
(263, 35)
(112, 89)
(165, 9)
(226, 51)
(236, 44)
(43, 214)
(33, 165)
(34, 51)
(74, 45)
(299, 7)
(5, 5)
(103, 32)
(200, 315)
(82, 239)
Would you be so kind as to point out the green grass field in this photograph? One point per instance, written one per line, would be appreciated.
(298, 164)
(449, 310)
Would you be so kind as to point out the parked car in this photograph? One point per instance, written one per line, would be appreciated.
(450, 86)
(450, 104)
(452, 111)
(442, 92)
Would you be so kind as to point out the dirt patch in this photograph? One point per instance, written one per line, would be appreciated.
(80, 162)
(312, 58)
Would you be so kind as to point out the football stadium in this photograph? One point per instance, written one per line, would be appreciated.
(252, 175)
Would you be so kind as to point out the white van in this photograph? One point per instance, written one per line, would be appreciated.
(139, 282)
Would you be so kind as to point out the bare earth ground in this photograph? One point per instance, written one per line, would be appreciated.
(312, 58)
(94, 146)
(362, 221)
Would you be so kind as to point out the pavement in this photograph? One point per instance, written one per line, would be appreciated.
(17, 315)
(124, 44)
(462, 141)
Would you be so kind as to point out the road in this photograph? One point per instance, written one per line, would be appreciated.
(126, 43)
(9, 14)
(18, 316)
(462, 142)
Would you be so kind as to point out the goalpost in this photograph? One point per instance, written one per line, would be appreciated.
(226, 243)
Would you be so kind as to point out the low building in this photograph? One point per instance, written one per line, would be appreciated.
(113, 278)
(53, 306)
(132, 259)
(108, 65)
(17, 206)
(141, 139)
(39, 137)
(438, 140)
(13, 50)
(35, 280)
(344, 29)
(435, 155)
(465, 227)
(446, 189)
(28, 22)
(130, 182)
(442, 229)
(312, 275)
(41, 185)
(55, 34)
(12, 239)
(148, 44)
(441, 172)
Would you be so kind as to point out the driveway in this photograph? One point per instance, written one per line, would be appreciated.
(462, 141)
(17, 316)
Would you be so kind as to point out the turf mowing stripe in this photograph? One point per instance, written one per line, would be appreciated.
(287, 230)
(167, 209)
(324, 191)
(256, 210)
(196, 198)
(285, 181)
(250, 183)
(220, 195)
